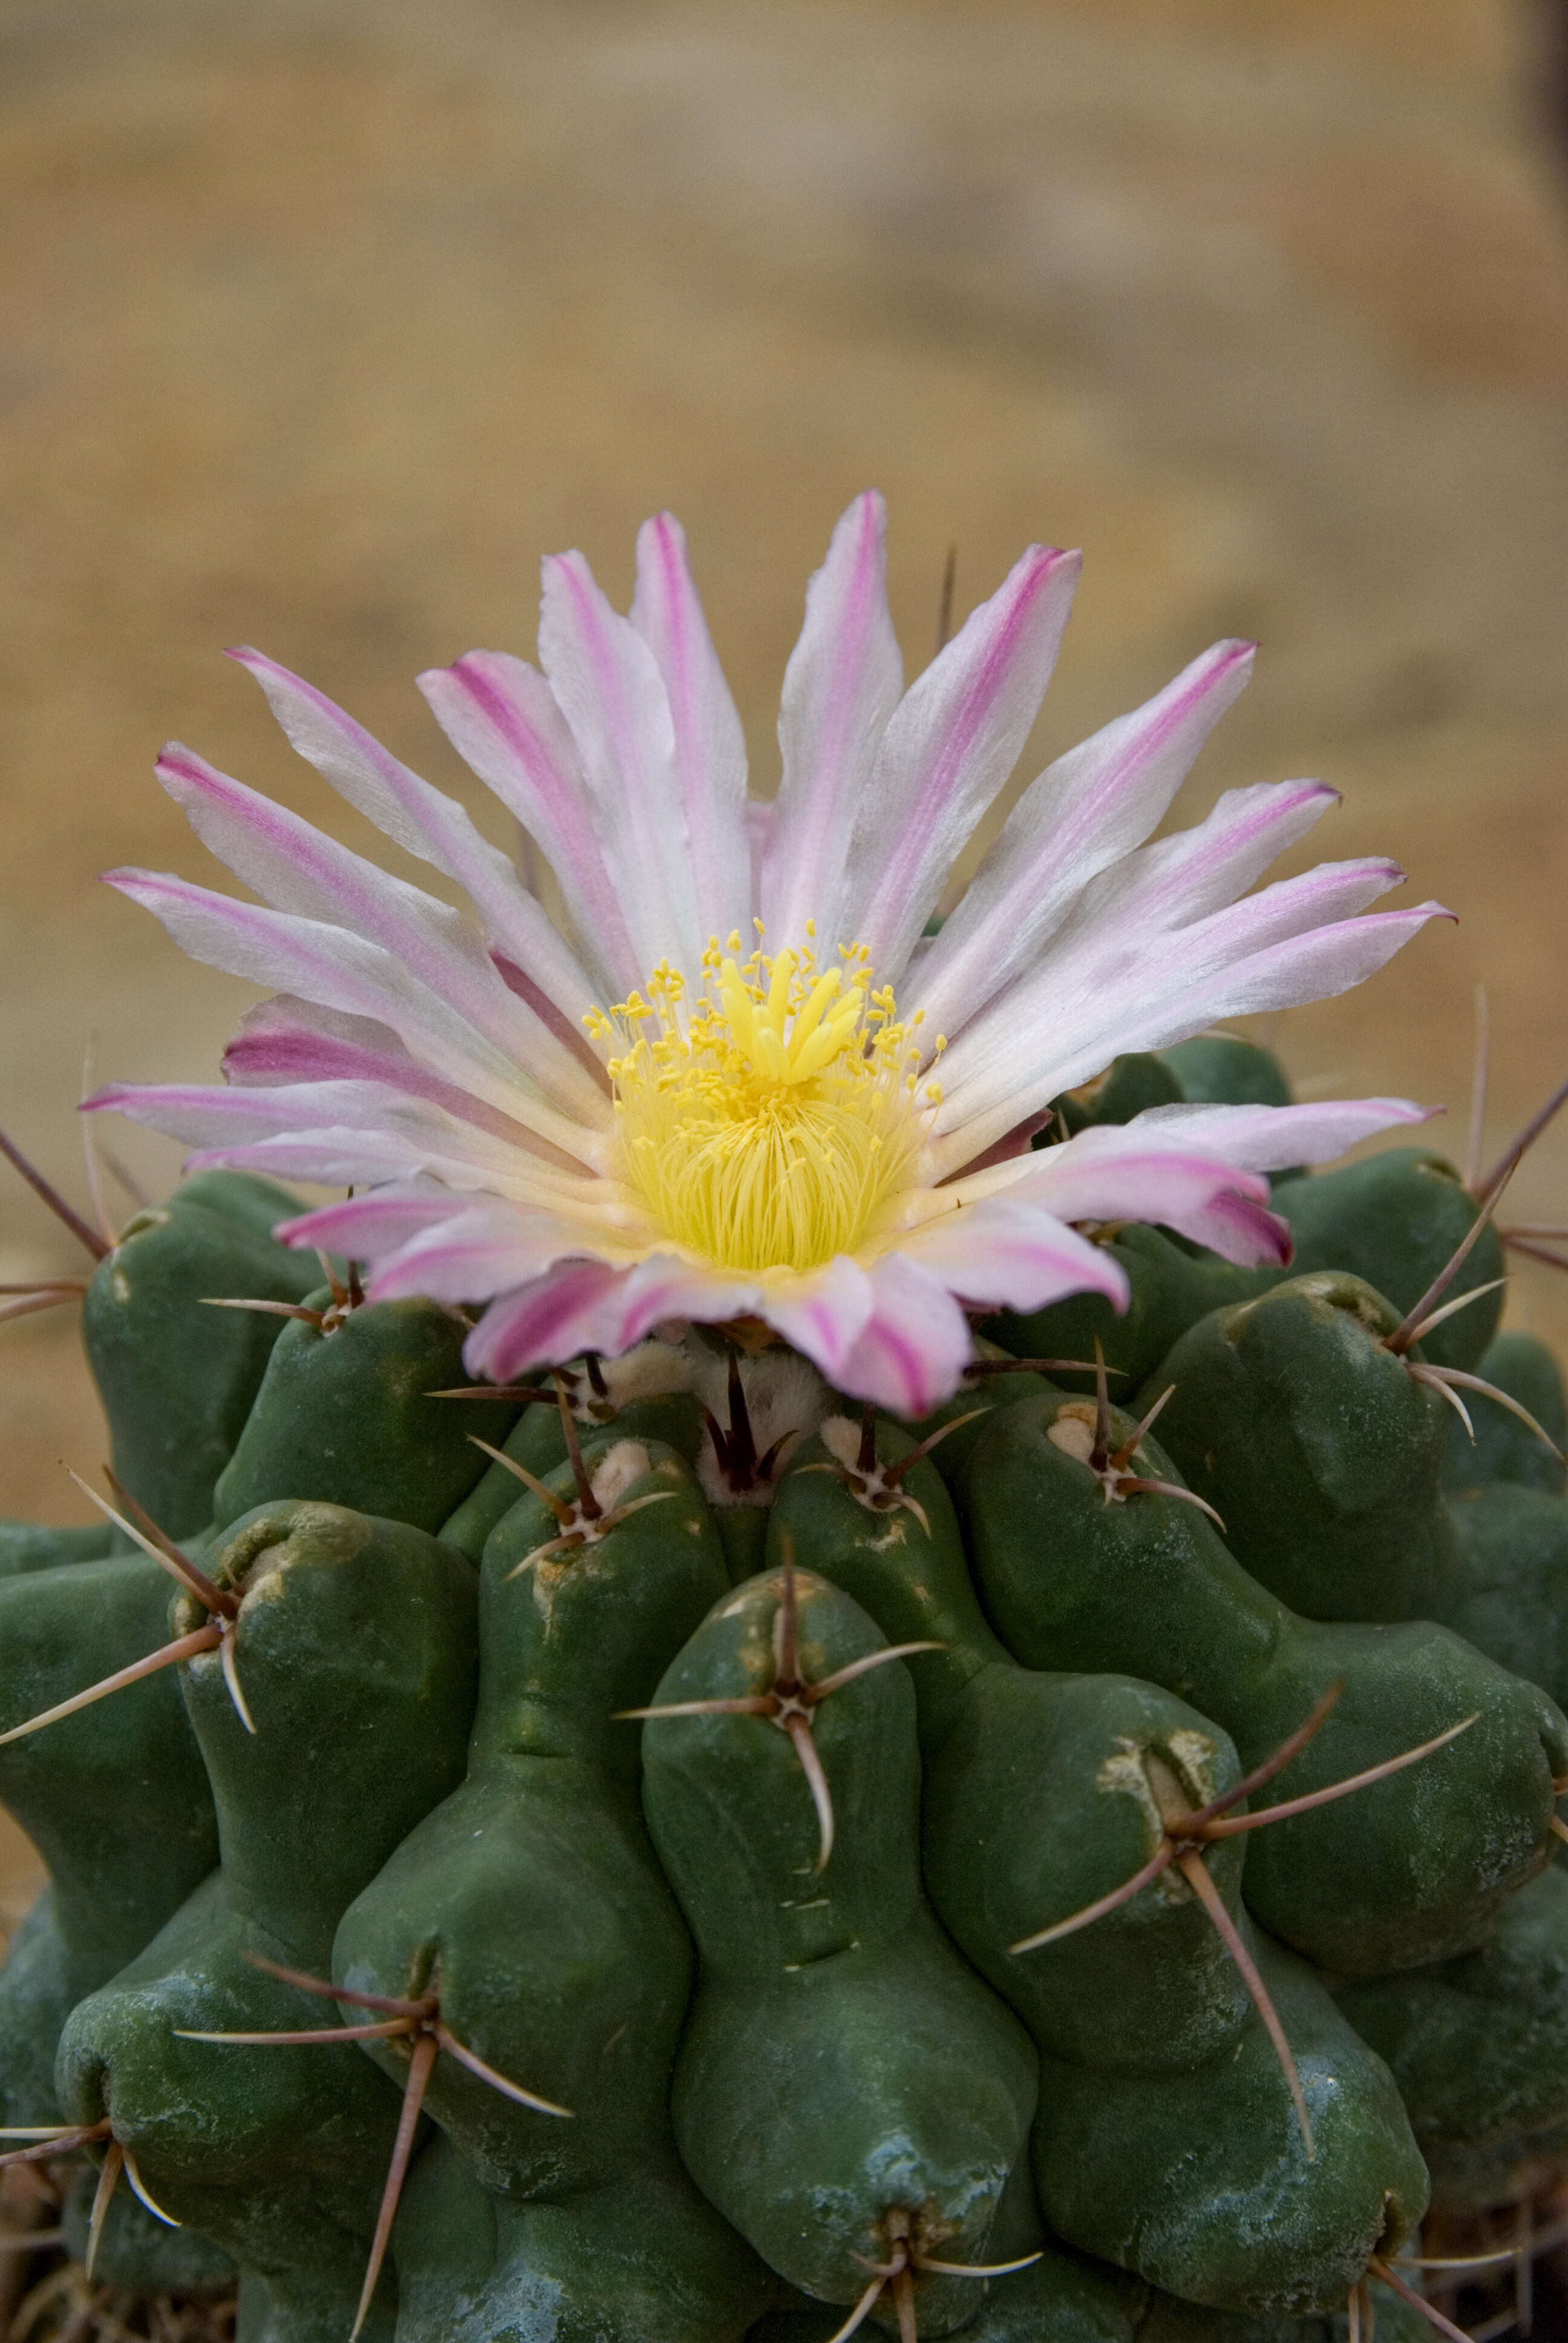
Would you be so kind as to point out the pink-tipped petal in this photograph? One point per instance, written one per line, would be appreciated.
(1268, 1137)
(590, 1305)
(344, 971)
(368, 1228)
(501, 716)
(284, 1042)
(550, 1320)
(998, 1068)
(914, 1347)
(1007, 1250)
(472, 1255)
(427, 823)
(947, 749)
(709, 745)
(1180, 881)
(1082, 814)
(612, 696)
(823, 1314)
(299, 869)
(842, 685)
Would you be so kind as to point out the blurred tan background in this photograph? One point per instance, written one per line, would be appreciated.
(320, 324)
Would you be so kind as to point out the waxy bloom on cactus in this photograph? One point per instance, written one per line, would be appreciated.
(739, 1079)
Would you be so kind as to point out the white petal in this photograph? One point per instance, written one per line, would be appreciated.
(612, 696)
(301, 870)
(709, 745)
(947, 748)
(915, 1345)
(1009, 1251)
(342, 971)
(840, 687)
(824, 1313)
(428, 823)
(1083, 814)
(501, 716)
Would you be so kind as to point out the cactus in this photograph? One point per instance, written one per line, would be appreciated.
(642, 1759)
(862, 2015)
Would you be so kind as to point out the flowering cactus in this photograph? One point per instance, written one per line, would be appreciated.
(699, 1777)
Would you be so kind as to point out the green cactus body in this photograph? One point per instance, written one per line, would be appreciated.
(1171, 1284)
(345, 1416)
(530, 1899)
(644, 2259)
(1169, 2320)
(743, 1533)
(140, 2253)
(1221, 1070)
(1511, 1599)
(115, 1797)
(25, 1546)
(1409, 1871)
(1504, 1449)
(494, 1493)
(1129, 1085)
(1067, 1772)
(1317, 1448)
(1054, 1764)
(1479, 2046)
(672, 1418)
(840, 2065)
(642, 1396)
(176, 1376)
(1063, 2297)
(1188, 2177)
(1395, 1220)
(354, 1647)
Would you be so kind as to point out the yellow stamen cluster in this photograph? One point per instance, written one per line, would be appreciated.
(767, 1123)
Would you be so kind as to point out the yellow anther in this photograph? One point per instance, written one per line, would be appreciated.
(771, 1126)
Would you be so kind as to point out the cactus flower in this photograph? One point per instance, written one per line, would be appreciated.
(734, 1076)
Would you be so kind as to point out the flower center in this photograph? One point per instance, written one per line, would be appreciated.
(768, 1123)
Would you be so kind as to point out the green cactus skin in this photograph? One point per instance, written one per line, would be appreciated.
(1478, 2047)
(116, 1800)
(1063, 2298)
(177, 1378)
(493, 1494)
(1505, 1449)
(538, 1442)
(1409, 1871)
(345, 1417)
(25, 1546)
(1512, 1596)
(978, 1398)
(1317, 1448)
(143, 2255)
(1395, 1220)
(1392, 1220)
(1066, 2298)
(1057, 1766)
(743, 1533)
(1221, 1070)
(839, 2060)
(531, 1898)
(1188, 2177)
(1129, 1085)
(1172, 1285)
(672, 1418)
(1170, 2320)
(643, 2260)
(356, 1647)
(1034, 1801)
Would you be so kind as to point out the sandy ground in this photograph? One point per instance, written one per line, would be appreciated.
(320, 324)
